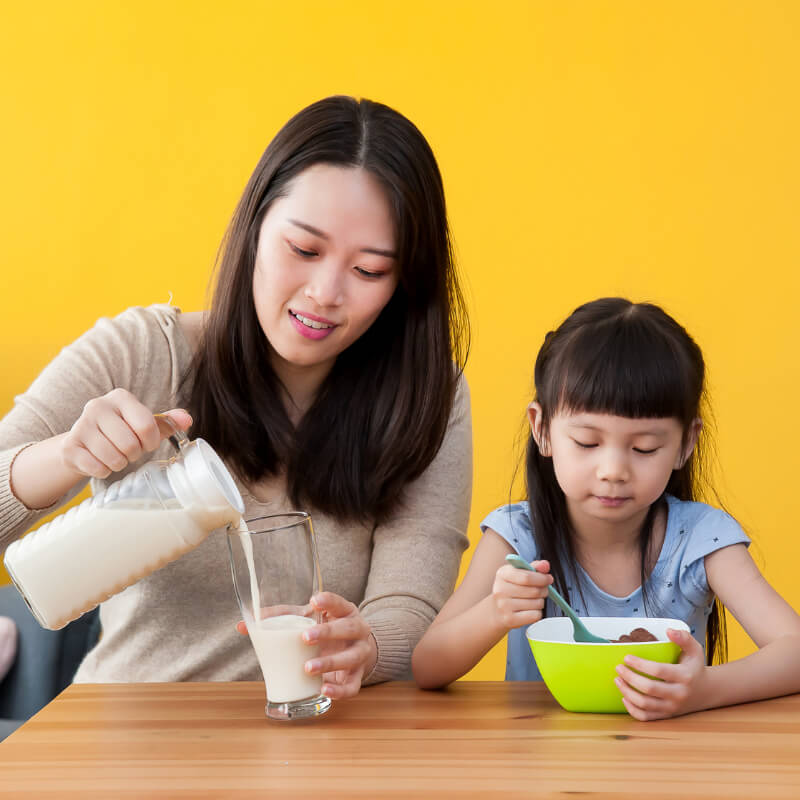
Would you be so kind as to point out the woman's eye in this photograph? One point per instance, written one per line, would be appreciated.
(301, 252)
(367, 273)
(584, 445)
(644, 452)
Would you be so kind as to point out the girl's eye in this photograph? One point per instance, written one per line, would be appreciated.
(584, 445)
(301, 252)
(367, 274)
(644, 452)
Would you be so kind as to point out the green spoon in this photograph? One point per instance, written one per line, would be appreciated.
(579, 631)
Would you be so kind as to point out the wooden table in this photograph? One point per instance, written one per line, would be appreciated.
(205, 740)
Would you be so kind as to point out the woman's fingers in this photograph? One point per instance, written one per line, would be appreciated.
(347, 659)
(113, 431)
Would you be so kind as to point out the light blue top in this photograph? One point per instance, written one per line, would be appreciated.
(677, 588)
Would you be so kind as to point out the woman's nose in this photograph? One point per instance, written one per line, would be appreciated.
(324, 285)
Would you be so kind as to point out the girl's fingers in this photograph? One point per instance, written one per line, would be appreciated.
(513, 591)
(522, 577)
(514, 605)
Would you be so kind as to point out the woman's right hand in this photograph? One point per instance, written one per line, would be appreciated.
(518, 596)
(113, 431)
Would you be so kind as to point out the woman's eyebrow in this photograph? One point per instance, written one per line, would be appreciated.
(322, 235)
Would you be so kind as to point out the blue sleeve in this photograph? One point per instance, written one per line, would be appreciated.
(513, 523)
(712, 531)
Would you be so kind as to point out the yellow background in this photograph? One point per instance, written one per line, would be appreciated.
(588, 148)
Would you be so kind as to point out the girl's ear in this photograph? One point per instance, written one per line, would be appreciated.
(686, 451)
(535, 418)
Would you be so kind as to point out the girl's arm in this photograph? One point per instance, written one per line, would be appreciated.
(772, 624)
(493, 598)
(688, 686)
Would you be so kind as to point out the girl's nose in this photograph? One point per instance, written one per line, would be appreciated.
(324, 285)
(613, 466)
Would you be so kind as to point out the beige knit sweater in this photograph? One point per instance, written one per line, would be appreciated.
(179, 623)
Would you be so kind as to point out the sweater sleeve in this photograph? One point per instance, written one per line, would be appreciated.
(139, 350)
(417, 553)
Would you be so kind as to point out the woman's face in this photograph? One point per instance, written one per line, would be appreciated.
(325, 266)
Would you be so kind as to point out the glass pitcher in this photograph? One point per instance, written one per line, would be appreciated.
(135, 526)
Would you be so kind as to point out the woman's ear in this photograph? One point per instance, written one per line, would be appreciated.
(535, 417)
(691, 441)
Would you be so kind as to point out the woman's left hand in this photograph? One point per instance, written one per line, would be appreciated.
(347, 647)
(678, 687)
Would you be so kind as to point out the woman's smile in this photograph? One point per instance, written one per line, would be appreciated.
(311, 326)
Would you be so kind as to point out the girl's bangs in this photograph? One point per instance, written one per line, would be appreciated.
(628, 373)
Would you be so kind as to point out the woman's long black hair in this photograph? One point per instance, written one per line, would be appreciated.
(612, 356)
(381, 414)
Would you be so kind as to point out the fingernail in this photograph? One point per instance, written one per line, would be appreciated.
(312, 667)
(618, 681)
(310, 636)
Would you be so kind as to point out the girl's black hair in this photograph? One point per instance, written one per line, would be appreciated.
(612, 356)
(381, 414)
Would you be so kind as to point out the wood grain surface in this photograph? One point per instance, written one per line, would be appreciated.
(212, 740)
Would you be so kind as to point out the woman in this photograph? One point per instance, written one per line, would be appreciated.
(327, 374)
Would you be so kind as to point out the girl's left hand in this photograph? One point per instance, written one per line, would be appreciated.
(348, 649)
(678, 688)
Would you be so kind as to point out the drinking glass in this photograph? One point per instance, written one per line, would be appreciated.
(275, 573)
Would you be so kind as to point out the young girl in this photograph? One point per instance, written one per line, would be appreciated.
(326, 374)
(613, 471)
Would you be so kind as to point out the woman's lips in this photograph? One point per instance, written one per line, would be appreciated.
(306, 330)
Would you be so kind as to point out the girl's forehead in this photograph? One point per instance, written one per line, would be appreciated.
(613, 424)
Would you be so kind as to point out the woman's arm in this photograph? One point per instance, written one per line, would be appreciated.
(45, 456)
(493, 598)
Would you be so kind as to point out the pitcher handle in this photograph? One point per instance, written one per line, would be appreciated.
(178, 439)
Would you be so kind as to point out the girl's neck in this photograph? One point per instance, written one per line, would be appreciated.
(595, 540)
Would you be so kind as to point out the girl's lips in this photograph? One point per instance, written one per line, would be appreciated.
(311, 333)
(612, 502)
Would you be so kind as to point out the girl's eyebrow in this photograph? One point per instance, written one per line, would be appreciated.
(657, 431)
(322, 235)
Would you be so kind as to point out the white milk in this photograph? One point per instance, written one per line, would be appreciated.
(90, 553)
(247, 547)
(282, 653)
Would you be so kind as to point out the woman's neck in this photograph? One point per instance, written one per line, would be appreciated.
(300, 384)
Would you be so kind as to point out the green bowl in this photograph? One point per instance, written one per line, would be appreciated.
(581, 675)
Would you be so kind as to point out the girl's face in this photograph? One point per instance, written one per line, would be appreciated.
(612, 468)
(325, 266)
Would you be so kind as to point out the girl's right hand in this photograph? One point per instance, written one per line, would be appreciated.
(519, 596)
(113, 431)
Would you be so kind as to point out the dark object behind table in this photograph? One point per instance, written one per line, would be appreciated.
(46, 660)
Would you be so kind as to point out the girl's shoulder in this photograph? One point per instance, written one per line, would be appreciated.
(695, 530)
(693, 517)
(513, 523)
